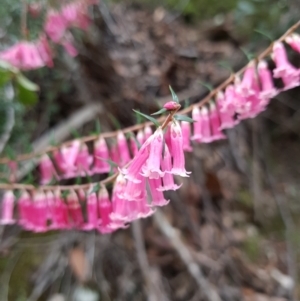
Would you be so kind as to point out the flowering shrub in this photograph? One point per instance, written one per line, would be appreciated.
(142, 166)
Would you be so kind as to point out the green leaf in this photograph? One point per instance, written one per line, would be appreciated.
(74, 133)
(148, 117)
(250, 56)
(98, 127)
(110, 162)
(26, 83)
(96, 188)
(184, 118)
(114, 121)
(265, 34)
(26, 97)
(65, 193)
(226, 65)
(161, 111)
(5, 76)
(206, 85)
(5, 65)
(174, 96)
(187, 103)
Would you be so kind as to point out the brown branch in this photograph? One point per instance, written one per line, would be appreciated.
(135, 128)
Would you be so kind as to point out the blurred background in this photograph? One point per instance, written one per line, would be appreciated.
(231, 232)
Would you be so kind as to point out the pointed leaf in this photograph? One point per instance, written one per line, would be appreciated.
(110, 162)
(148, 117)
(114, 121)
(184, 118)
(174, 96)
(263, 33)
(26, 97)
(161, 111)
(206, 85)
(5, 76)
(26, 83)
(98, 127)
(96, 188)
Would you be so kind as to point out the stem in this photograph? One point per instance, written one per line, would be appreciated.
(82, 186)
(137, 127)
(24, 31)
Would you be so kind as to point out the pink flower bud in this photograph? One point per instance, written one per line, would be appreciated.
(148, 132)
(172, 105)
(24, 210)
(83, 161)
(60, 219)
(7, 211)
(55, 26)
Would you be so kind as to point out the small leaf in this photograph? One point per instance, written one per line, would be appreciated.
(96, 188)
(78, 181)
(26, 97)
(187, 103)
(65, 193)
(114, 121)
(148, 117)
(110, 162)
(5, 76)
(26, 83)
(264, 34)
(161, 111)
(74, 133)
(250, 56)
(184, 118)
(206, 85)
(225, 65)
(174, 96)
(98, 127)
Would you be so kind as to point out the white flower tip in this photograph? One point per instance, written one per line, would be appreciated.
(278, 44)
(204, 110)
(262, 65)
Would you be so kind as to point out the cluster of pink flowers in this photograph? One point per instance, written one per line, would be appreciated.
(29, 55)
(147, 161)
(75, 160)
(44, 211)
(153, 167)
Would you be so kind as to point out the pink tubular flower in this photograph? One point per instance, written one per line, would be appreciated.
(133, 146)
(123, 149)
(101, 154)
(284, 69)
(148, 132)
(67, 43)
(55, 26)
(134, 191)
(83, 161)
(152, 168)
(186, 134)
(177, 151)
(65, 159)
(230, 100)
(24, 210)
(47, 170)
(12, 167)
(60, 219)
(50, 205)
(196, 115)
(30, 57)
(205, 126)
(45, 51)
(227, 120)
(215, 123)
(39, 212)
(119, 210)
(294, 41)
(158, 198)
(268, 89)
(133, 171)
(74, 209)
(7, 211)
(107, 223)
(92, 212)
(12, 55)
(168, 178)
